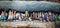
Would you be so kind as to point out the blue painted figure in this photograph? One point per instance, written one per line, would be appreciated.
(59, 17)
(41, 17)
(53, 16)
(46, 16)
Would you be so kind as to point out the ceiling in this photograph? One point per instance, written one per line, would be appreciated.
(30, 6)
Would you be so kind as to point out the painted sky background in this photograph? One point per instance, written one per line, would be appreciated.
(30, 5)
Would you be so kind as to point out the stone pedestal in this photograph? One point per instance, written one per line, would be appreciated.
(27, 24)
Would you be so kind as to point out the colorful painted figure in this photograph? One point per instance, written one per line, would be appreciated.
(53, 16)
(10, 15)
(3, 17)
(34, 15)
(41, 16)
(50, 16)
(18, 16)
(46, 16)
(26, 15)
(59, 17)
(14, 16)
